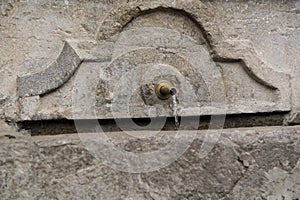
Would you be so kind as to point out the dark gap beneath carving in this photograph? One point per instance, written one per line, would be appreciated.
(65, 126)
(142, 122)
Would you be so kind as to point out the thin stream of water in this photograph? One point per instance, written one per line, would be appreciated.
(175, 111)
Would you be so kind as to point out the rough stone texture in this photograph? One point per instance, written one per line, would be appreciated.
(252, 47)
(52, 77)
(32, 36)
(252, 163)
(36, 31)
(134, 29)
(272, 28)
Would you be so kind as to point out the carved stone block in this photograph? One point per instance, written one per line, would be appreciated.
(142, 43)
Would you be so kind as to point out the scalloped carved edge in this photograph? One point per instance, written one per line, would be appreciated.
(243, 51)
(221, 50)
(230, 50)
(53, 77)
(123, 14)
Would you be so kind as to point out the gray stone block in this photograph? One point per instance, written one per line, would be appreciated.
(206, 75)
(55, 75)
(252, 163)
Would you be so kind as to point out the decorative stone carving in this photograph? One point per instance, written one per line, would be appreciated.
(52, 77)
(134, 50)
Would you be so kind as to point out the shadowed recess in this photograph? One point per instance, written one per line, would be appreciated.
(65, 126)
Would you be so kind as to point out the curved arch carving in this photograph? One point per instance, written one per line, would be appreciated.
(120, 16)
(221, 50)
(54, 76)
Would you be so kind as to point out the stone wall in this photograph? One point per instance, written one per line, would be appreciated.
(253, 163)
(263, 35)
(99, 59)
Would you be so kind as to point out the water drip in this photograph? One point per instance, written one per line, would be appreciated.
(164, 91)
(175, 110)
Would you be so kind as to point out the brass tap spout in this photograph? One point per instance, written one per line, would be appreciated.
(164, 90)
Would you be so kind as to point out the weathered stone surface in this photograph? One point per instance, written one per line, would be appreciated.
(203, 87)
(52, 77)
(43, 37)
(253, 45)
(253, 163)
(7, 132)
(33, 31)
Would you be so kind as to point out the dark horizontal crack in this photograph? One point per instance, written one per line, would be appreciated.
(66, 126)
(10, 136)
